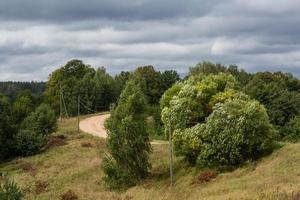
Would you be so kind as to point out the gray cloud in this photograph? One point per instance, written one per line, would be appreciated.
(38, 36)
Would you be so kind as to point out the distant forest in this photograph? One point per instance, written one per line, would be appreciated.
(11, 88)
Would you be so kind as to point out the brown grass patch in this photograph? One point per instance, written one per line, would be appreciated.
(27, 167)
(40, 186)
(87, 144)
(69, 195)
(56, 141)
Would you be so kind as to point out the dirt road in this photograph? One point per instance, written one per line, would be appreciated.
(94, 125)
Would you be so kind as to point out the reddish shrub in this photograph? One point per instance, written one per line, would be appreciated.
(206, 176)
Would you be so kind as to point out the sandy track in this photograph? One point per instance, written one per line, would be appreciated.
(94, 125)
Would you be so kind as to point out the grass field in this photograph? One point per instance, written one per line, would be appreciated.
(76, 166)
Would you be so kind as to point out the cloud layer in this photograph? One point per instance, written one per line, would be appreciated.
(36, 37)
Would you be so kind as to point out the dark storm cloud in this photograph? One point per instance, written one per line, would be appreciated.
(58, 10)
(37, 36)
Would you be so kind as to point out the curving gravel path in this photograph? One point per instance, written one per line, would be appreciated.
(94, 125)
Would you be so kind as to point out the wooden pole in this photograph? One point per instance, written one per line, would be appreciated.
(78, 113)
(60, 102)
(171, 150)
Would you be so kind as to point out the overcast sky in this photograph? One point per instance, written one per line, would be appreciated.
(38, 36)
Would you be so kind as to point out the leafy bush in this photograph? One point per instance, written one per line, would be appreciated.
(188, 142)
(9, 190)
(236, 131)
(291, 130)
(189, 103)
(215, 124)
(27, 143)
(42, 121)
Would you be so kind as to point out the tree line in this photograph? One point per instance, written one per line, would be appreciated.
(221, 116)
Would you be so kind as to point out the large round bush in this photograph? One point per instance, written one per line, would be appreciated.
(236, 131)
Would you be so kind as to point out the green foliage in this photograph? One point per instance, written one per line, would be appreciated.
(128, 140)
(23, 105)
(236, 131)
(149, 80)
(168, 78)
(9, 190)
(168, 95)
(207, 68)
(154, 123)
(291, 131)
(214, 123)
(189, 103)
(42, 121)
(7, 127)
(154, 83)
(188, 142)
(12, 89)
(27, 143)
(279, 93)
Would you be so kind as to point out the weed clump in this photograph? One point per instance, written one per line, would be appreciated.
(69, 195)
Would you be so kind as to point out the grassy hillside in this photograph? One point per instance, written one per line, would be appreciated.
(76, 166)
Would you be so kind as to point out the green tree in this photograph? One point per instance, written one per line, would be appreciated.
(150, 83)
(23, 105)
(7, 127)
(279, 93)
(106, 90)
(42, 121)
(121, 80)
(291, 131)
(168, 78)
(66, 79)
(128, 140)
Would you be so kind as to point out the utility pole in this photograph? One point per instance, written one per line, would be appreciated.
(171, 149)
(78, 113)
(60, 103)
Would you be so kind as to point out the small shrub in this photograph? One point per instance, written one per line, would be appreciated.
(9, 190)
(69, 195)
(27, 142)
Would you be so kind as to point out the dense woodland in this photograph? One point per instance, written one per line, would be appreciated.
(221, 116)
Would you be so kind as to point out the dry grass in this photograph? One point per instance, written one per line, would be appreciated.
(75, 168)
